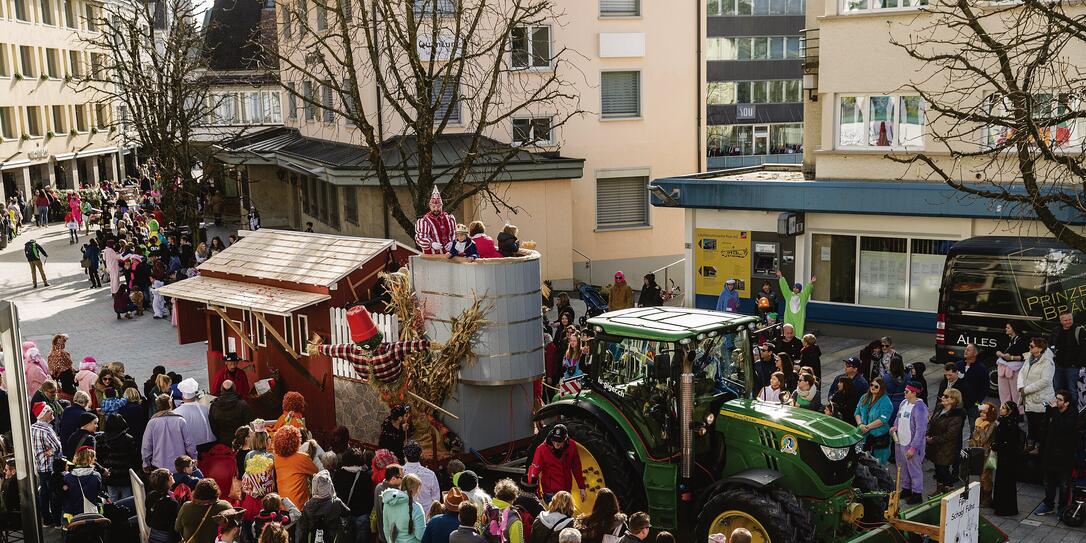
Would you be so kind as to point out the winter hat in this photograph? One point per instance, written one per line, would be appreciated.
(452, 500)
(87, 418)
(383, 458)
(40, 409)
(89, 364)
(188, 388)
(322, 486)
(27, 345)
(467, 481)
(461, 229)
(797, 286)
(412, 451)
(620, 277)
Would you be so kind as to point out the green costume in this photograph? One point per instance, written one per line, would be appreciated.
(795, 305)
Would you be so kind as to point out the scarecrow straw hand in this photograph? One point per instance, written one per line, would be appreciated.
(314, 342)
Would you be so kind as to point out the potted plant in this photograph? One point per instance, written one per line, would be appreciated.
(49, 135)
(72, 132)
(43, 77)
(26, 137)
(18, 76)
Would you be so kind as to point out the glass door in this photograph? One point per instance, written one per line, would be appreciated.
(761, 139)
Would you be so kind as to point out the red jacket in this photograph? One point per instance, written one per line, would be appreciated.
(556, 473)
(486, 246)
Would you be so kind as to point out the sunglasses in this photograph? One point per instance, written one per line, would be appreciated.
(874, 387)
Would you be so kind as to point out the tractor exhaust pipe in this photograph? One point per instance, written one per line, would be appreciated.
(686, 415)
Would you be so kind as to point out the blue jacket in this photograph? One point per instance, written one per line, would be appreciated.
(69, 421)
(976, 383)
(92, 253)
(728, 300)
(440, 527)
(397, 517)
(880, 410)
(90, 482)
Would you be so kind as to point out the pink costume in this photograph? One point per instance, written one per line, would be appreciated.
(434, 232)
(74, 206)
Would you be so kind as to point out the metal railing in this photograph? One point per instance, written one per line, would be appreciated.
(587, 264)
(668, 284)
(809, 50)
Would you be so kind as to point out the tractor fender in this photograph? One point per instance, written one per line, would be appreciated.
(572, 408)
(755, 478)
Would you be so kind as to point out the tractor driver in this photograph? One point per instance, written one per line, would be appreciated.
(557, 464)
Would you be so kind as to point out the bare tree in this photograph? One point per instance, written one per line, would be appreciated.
(148, 56)
(1007, 92)
(407, 73)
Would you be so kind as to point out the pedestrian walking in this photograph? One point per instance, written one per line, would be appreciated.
(909, 431)
(795, 302)
(34, 254)
(92, 258)
(556, 465)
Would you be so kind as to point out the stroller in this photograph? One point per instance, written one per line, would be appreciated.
(88, 528)
(1074, 514)
(590, 295)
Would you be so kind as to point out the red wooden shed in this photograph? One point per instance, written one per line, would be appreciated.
(261, 297)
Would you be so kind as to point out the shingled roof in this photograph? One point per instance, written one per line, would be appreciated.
(235, 33)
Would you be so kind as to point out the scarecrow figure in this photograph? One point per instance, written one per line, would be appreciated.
(370, 354)
(434, 230)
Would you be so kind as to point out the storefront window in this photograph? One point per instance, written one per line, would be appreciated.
(882, 271)
(734, 140)
(833, 262)
(926, 272)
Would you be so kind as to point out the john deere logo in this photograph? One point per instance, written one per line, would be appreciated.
(789, 445)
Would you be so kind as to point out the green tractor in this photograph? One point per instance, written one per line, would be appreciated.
(666, 420)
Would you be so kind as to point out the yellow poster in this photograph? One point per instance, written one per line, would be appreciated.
(720, 255)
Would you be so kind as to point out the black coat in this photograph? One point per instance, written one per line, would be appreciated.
(794, 348)
(360, 502)
(228, 413)
(812, 356)
(945, 436)
(650, 296)
(1061, 441)
(135, 415)
(118, 451)
(508, 245)
(976, 383)
(1007, 444)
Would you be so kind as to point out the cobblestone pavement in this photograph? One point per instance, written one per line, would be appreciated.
(70, 306)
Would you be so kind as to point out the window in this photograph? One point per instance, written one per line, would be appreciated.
(52, 63)
(739, 140)
(225, 107)
(446, 104)
(882, 271)
(252, 108)
(60, 120)
(743, 7)
(123, 117)
(348, 10)
(288, 331)
(869, 5)
(350, 204)
(7, 123)
(326, 104)
(622, 202)
(533, 131)
(273, 105)
(22, 10)
(96, 65)
(1065, 136)
(880, 121)
(620, 8)
(348, 100)
(75, 59)
(288, 31)
(531, 46)
(433, 7)
(307, 101)
(753, 48)
(69, 14)
(34, 122)
(303, 331)
(91, 12)
(833, 262)
(621, 94)
(322, 14)
(926, 272)
(80, 118)
(5, 66)
(101, 115)
(47, 15)
(292, 100)
(26, 60)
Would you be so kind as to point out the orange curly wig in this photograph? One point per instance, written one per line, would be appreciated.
(293, 401)
(287, 440)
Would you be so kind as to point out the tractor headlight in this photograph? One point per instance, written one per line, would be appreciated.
(835, 454)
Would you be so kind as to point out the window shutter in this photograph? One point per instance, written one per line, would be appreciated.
(620, 8)
(621, 94)
(622, 202)
(443, 101)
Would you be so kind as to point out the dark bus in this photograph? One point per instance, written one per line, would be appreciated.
(992, 280)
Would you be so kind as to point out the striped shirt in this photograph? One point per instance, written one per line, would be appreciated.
(386, 362)
(44, 438)
(429, 229)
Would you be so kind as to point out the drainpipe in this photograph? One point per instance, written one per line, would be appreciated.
(698, 102)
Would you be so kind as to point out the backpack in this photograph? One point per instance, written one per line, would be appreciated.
(497, 522)
(182, 493)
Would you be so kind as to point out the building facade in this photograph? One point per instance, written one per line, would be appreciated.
(874, 232)
(754, 82)
(583, 197)
(51, 133)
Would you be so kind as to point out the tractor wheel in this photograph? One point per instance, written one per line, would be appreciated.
(772, 516)
(605, 464)
(870, 476)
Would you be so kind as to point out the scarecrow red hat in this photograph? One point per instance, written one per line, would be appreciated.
(362, 327)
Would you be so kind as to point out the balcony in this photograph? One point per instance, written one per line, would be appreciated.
(809, 54)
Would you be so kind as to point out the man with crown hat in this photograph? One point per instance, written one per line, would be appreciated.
(434, 230)
(370, 354)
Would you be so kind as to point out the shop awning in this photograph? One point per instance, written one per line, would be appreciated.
(242, 295)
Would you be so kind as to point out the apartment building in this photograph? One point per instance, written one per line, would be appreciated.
(583, 197)
(754, 89)
(874, 232)
(52, 134)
